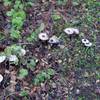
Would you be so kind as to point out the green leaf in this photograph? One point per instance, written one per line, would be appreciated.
(1, 36)
(23, 93)
(9, 13)
(31, 64)
(56, 17)
(50, 71)
(32, 37)
(20, 14)
(15, 34)
(36, 81)
(23, 72)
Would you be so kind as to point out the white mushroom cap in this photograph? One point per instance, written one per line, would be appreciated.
(76, 31)
(2, 58)
(71, 31)
(43, 36)
(85, 41)
(1, 78)
(23, 52)
(89, 44)
(53, 40)
(13, 58)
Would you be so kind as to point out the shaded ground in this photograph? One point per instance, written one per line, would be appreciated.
(77, 68)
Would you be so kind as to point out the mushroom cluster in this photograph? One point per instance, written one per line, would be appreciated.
(86, 42)
(55, 40)
(71, 31)
(52, 40)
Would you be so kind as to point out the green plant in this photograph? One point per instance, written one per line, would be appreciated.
(81, 98)
(23, 93)
(17, 18)
(23, 73)
(43, 76)
(17, 15)
(7, 2)
(18, 5)
(15, 34)
(33, 36)
(61, 2)
(1, 36)
(13, 50)
(56, 17)
(31, 64)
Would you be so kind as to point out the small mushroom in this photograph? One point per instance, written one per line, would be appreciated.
(85, 41)
(76, 31)
(1, 78)
(71, 31)
(54, 40)
(13, 58)
(2, 58)
(43, 36)
(89, 44)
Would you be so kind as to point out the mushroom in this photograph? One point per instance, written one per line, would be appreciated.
(53, 40)
(71, 31)
(85, 41)
(76, 31)
(43, 36)
(1, 78)
(89, 44)
(2, 58)
(13, 58)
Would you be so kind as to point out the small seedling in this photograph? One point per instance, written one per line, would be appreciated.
(31, 64)
(56, 17)
(43, 76)
(23, 73)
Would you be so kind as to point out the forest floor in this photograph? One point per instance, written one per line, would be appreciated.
(67, 70)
